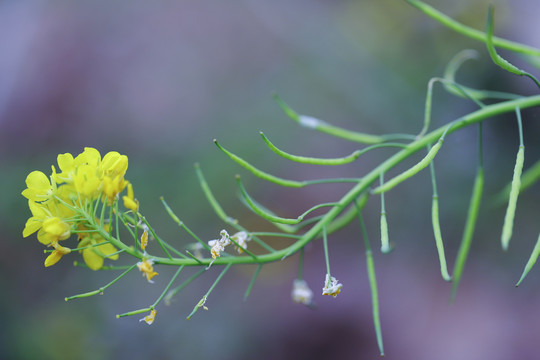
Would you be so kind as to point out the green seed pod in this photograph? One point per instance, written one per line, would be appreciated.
(412, 171)
(512, 199)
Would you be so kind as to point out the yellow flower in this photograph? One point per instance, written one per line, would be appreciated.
(149, 319)
(113, 186)
(53, 230)
(39, 213)
(39, 187)
(89, 156)
(129, 201)
(147, 269)
(94, 254)
(66, 163)
(114, 164)
(53, 202)
(86, 181)
(56, 255)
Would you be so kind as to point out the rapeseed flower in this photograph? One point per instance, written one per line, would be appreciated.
(59, 204)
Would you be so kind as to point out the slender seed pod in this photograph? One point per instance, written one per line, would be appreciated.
(257, 172)
(512, 200)
(385, 242)
(532, 260)
(411, 171)
(372, 284)
(437, 227)
(470, 223)
(497, 59)
(311, 160)
(322, 126)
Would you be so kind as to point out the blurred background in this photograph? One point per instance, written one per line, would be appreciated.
(158, 81)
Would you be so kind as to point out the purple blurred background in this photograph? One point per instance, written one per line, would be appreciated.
(158, 81)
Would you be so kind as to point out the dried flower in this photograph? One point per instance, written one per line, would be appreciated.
(149, 319)
(331, 286)
(219, 245)
(301, 293)
(147, 269)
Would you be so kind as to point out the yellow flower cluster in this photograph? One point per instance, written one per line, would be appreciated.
(55, 202)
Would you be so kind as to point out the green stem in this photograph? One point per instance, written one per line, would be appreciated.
(470, 32)
(472, 215)
(497, 59)
(221, 213)
(373, 285)
(252, 282)
(473, 118)
(177, 289)
(326, 257)
(168, 286)
(182, 225)
(103, 288)
(270, 217)
(205, 297)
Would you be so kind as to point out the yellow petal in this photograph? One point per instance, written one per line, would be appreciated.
(66, 162)
(108, 249)
(38, 211)
(46, 238)
(39, 187)
(131, 204)
(93, 260)
(90, 156)
(38, 180)
(32, 225)
(53, 258)
(114, 164)
(56, 227)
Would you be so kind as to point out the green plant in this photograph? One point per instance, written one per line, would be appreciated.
(84, 197)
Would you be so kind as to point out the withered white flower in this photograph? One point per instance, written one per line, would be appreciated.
(331, 286)
(301, 293)
(218, 245)
(241, 239)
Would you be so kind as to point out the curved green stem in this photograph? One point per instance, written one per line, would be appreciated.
(322, 126)
(470, 32)
(270, 217)
(311, 160)
(356, 191)
(470, 224)
(532, 260)
(497, 59)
